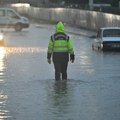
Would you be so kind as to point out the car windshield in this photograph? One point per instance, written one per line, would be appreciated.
(111, 33)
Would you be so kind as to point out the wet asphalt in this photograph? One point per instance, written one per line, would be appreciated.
(28, 90)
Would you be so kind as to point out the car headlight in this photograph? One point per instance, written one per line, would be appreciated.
(1, 37)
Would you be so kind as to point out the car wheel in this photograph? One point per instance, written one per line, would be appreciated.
(92, 47)
(18, 27)
(98, 48)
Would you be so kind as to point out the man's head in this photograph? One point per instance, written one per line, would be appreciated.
(59, 27)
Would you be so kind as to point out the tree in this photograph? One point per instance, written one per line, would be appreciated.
(77, 1)
(115, 3)
(0, 1)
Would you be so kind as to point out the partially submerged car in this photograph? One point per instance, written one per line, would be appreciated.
(107, 38)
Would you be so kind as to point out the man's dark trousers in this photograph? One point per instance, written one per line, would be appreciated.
(61, 69)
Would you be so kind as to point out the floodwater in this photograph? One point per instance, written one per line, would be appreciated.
(28, 90)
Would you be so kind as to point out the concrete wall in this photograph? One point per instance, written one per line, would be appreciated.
(85, 19)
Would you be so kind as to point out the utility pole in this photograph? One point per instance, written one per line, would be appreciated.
(91, 2)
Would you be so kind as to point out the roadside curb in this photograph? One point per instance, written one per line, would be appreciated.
(80, 31)
(69, 29)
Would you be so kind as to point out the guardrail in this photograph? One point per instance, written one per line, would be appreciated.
(90, 20)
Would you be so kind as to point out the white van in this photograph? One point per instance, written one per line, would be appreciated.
(9, 18)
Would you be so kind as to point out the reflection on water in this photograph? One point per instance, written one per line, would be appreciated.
(60, 87)
(59, 100)
(2, 66)
(4, 114)
(13, 50)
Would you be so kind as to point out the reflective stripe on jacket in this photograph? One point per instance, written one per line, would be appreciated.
(60, 42)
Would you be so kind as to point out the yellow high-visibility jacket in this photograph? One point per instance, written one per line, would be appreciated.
(60, 45)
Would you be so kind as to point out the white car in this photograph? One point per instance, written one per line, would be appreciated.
(107, 38)
(9, 18)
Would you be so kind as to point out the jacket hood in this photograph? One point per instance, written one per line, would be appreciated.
(60, 27)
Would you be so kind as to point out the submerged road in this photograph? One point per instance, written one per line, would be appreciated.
(28, 90)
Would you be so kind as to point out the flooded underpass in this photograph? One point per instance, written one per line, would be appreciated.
(28, 90)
